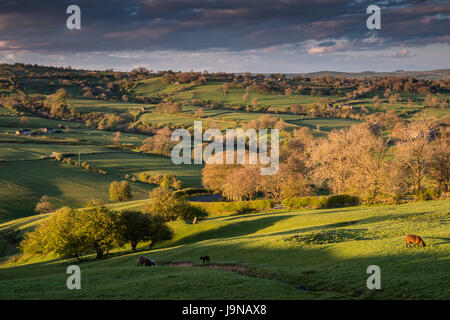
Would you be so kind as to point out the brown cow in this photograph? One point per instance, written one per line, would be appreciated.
(142, 260)
(410, 238)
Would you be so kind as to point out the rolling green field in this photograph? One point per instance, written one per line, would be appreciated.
(326, 250)
(102, 137)
(213, 91)
(121, 163)
(24, 182)
(72, 136)
(91, 105)
(33, 151)
(16, 122)
(261, 255)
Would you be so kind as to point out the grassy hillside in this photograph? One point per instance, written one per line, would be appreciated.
(213, 91)
(91, 105)
(326, 250)
(24, 182)
(32, 151)
(431, 74)
(121, 163)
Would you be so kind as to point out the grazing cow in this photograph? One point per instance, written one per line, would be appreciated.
(205, 259)
(410, 238)
(146, 261)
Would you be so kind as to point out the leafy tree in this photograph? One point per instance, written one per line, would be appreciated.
(136, 226)
(159, 230)
(99, 228)
(160, 143)
(59, 233)
(120, 191)
(190, 212)
(165, 203)
(71, 233)
(116, 138)
(412, 148)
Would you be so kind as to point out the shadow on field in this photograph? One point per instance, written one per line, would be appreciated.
(406, 274)
(443, 240)
(250, 215)
(232, 230)
(341, 224)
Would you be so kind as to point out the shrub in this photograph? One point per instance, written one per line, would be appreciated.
(191, 192)
(236, 207)
(245, 208)
(177, 184)
(165, 203)
(426, 194)
(144, 177)
(86, 165)
(343, 200)
(68, 161)
(189, 212)
(58, 156)
(321, 202)
(11, 235)
(304, 203)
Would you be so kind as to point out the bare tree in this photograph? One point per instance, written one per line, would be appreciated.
(413, 147)
(439, 161)
(350, 160)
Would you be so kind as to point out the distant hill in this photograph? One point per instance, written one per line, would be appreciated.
(429, 75)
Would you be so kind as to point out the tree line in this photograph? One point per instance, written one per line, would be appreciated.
(359, 161)
(97, 229)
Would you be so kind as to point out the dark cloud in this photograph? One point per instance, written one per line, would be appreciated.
(326, 44)
(39, 26)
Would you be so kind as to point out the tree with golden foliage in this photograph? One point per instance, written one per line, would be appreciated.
(350, 160)
(439, 161)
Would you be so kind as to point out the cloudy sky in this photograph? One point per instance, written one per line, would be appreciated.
(287, 36)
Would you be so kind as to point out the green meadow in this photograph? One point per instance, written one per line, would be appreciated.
(213, 91)
(263, 255)
(25, 182)
(91, 105)
(132, 163)
(33, 151)
(326, 250)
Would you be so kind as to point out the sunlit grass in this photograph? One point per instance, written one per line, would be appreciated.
(333, 263)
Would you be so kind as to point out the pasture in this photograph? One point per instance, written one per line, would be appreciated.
(92, 105)
(121, 163)
(326, 250)
(261, 255)
(213, 91)
(74, 136)
(16, 122)
(33, 151)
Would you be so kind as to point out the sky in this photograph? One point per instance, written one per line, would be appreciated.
(259, 36)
